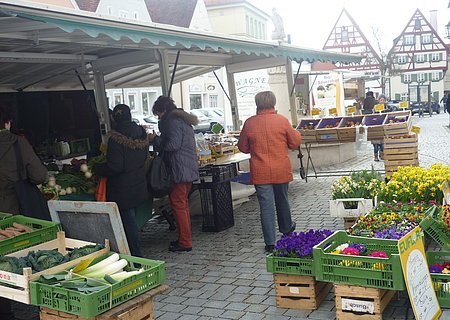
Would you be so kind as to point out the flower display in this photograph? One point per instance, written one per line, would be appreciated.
(299, 244)
(357, 249)
(351, 251)
(436, 268)
(415, 183)
(362, 184)
(378, 254)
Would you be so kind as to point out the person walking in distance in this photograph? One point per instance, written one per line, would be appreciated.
(268, 136)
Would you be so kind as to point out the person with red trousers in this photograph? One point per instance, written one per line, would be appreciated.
(178, 147)
(268, 136)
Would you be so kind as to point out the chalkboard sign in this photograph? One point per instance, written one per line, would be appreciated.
(91, 221)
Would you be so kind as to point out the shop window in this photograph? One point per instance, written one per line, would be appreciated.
(195, 101)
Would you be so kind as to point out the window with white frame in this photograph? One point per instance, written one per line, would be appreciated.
(195, 101)
(132, 101)
(401, 59)
(426, 38)
(435, 56)
(145, 96)
(407, 77)
(420, 58)
(213, 101)
(420, 77)
(408, 40)
(118, 99)
(404, 96)
(435, 76)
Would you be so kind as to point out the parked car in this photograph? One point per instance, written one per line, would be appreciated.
(213, 114)
(204, 123)
(393, 105)
(149, 123)
(424, 107)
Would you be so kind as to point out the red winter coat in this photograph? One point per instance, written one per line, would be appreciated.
(267, 137)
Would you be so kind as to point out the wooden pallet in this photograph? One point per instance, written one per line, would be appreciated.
(139, 308)
(360, 303)
(299, 292)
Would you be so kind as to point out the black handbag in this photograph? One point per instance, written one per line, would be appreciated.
(32, 202)
(159, 180)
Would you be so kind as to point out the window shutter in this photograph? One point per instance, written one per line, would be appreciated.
(398, 96)
(403, 78)
(414, 77)
(440, 56)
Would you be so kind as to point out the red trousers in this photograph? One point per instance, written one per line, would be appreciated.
(179, 202)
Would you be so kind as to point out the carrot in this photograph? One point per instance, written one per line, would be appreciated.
(6, 233)
(22, 227)
(2, 237)
(13, 230)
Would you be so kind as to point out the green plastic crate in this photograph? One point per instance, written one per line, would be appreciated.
(4, 215)
(93, 304)
(296, 266)
(441, 282)
(435, 227)
(43, 231)
(359, 270)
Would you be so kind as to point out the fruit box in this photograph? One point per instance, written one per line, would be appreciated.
(326, 130)
(374, 124)
(347, 128)
(17, 286)
(307, 129)
(397, 123)
(337, 207)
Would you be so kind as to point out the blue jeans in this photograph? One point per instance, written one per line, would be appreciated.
(128, 217)
(271, 196)
(378, 147)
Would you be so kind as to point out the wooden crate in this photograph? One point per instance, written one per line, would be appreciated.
(139, 308)
(347, 128)
(307, 129)
(349, 222)
(21, 290)
(375, 133)
(299, 292)
(399, 128)
(360, 303)
(308, 136)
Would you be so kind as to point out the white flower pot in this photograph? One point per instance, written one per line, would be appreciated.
(337, 208)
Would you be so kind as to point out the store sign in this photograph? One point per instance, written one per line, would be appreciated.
(358, 305)
(327, 91)
(417, 276)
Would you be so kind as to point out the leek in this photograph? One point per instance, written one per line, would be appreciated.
(108, 270)
(101, 264)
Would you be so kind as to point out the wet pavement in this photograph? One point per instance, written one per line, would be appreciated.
(225, 277)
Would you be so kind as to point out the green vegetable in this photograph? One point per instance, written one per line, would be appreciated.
(45, 259)
(10, 264)
(105, 263)
(84, 251)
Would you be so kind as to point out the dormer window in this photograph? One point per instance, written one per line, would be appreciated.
(417, 24)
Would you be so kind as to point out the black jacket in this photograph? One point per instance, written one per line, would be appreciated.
(125, 167)
(178, 143)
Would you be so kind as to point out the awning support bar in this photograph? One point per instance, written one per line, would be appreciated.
(221, 85)
(173, 73)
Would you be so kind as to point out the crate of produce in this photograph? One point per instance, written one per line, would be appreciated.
(326, 130)
(433, 225)
(347, 128)
(4, 215)
(382, 273)
(307, 128)
(34, 231)
(151, 273)
(397, 123)
(355, 302)
(299, 292)
(351, 207)
(16, 286)
(218, 173)
(80, 146)
(441, 281)
(296, 266)
(374, 124)
(139, 308)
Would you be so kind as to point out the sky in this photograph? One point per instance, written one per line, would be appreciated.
(310, 21)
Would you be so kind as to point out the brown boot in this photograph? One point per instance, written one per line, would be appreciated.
(381, 155)
(375, 157)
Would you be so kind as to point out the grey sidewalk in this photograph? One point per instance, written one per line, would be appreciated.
(225, 277)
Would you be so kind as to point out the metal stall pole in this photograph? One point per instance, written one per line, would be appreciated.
(102, 104)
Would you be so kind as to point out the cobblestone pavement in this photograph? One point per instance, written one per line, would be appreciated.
(225, 277)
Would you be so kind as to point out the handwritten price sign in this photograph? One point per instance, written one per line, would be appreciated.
(379, 107)
(315, 112)
(351, 110)
(332, 112)
(415, 129)
(403, 104)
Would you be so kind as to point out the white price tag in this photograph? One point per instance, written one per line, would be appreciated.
(294, 290)
(358, 305)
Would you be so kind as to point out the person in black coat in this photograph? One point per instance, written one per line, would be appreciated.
(369, 103)
(177, 142)
(125, 171)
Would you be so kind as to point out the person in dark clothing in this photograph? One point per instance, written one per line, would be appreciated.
(34, 170)
(447, 103)
(369, 103)
(177, 142)
(125, 171)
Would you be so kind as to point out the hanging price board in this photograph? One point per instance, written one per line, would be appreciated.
(351, 110)
(332, 111)
(379, 107)
(315, 112)
(403, 104)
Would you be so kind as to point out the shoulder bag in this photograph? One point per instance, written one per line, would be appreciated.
(159, 180)
(32, 202)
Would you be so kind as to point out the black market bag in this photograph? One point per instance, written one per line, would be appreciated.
(32, 202)
(159, 180)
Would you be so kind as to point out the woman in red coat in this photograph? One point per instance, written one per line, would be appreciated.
(268, 136)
